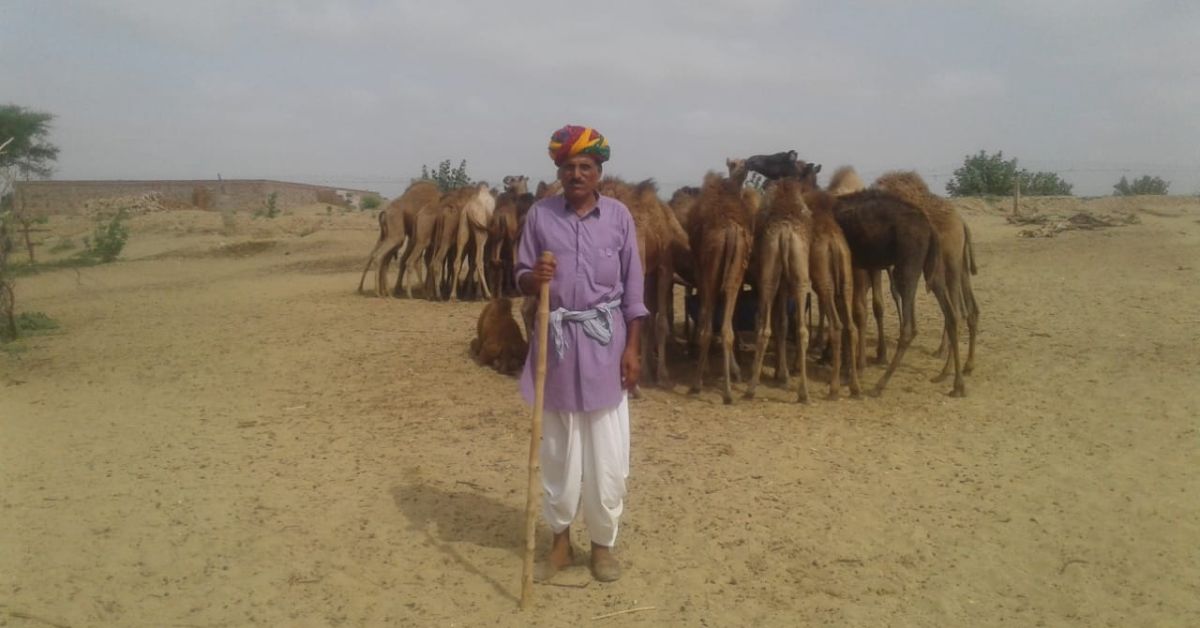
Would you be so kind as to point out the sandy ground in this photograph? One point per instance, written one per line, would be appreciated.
(222, 433)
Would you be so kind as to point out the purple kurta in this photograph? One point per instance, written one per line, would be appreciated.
(598, 262)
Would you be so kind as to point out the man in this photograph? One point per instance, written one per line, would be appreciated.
(593, 358)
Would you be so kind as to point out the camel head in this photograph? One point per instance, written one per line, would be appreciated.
(808, 175)
(737, 169)
(516, 184)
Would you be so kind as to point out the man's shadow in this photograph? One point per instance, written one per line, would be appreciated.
(463, 516)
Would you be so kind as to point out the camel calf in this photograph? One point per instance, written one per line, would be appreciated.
(498, 340)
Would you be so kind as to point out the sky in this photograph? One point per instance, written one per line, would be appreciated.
(363, 93)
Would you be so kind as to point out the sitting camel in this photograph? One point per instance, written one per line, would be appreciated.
(473, 221)
(395, 230)
(498, 341)
(720, 239)
(958, 256)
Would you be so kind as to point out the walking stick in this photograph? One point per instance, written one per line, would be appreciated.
(533, 497)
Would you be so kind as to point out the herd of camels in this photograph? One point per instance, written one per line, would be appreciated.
(716, 240)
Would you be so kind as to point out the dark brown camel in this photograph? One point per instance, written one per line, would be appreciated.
(958, 256)
(883, 232)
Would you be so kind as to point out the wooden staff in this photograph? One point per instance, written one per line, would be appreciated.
(533, 498)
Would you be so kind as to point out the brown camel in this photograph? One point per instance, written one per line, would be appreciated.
(445, 238)
(845, 180)
(661, 240)
(884, 231)
(958, 256)
(395, 223)
(473, 221)
(783, 232)
(720, 238)
(498, 341)
(503, 233)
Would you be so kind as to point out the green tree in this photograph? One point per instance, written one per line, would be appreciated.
(992, 175)
(1144, 185)
(448, 178)
(370, 202)
(27, 154)
(983, 174)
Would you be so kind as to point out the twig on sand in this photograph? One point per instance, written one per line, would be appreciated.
(32, 617)
(568, 585)
(1068, 563)
(624, 612)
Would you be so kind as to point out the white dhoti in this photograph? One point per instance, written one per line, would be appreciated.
(585, 458)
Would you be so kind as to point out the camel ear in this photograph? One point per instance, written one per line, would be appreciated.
(816, 168)
(793, 155)
(728, 162)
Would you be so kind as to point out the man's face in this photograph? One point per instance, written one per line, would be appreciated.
(580, 176)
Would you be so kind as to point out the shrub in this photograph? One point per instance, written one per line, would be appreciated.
(1144, 185)
(992, 175)
(371, 202)
(63, 244)
(108, 239)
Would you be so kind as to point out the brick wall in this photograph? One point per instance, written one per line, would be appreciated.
(68, 197)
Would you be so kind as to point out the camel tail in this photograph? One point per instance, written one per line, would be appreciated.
(969, 250)
(383, 230)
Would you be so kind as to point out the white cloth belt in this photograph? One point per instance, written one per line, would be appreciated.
(597, 323)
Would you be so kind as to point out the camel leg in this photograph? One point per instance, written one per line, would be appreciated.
(480, 242)
(949, 298)
(877, 309)
(798, 278)
(460, 256)
(370, 258)
(662, 322)
(971, 309)
(727, 340)
(862, 281)
(783, 374)
(768, 284)
(708, 296)
(907, 280)
(852, 335)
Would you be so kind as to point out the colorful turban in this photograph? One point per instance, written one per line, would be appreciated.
(572, 140)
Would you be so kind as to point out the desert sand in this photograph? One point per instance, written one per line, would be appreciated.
(223, 433)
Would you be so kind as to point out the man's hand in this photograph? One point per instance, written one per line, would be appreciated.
(542, 273)
(631, 368)
(543, 270)
(631, 358)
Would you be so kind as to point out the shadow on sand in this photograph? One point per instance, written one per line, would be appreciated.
(446, 517)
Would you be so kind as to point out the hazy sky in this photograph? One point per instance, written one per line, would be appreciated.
(363, 93)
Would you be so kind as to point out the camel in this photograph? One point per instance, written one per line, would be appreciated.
(422, 246)
(503, 233)
(958, 256)
(845, 181)
(436, 234)
(473, 221)
(832, 271)
(498, 341)
(544, 189)
(884, 231)
(661, 240)
(783, 233)
(395, 230)
(720, 238)
(775, 166)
